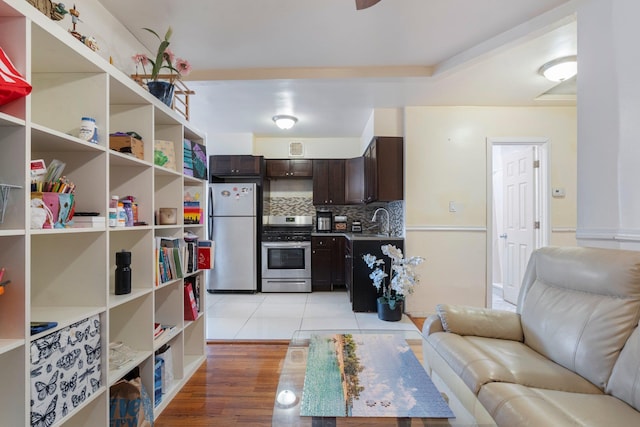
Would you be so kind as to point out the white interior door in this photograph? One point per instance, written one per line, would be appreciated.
(519, 231)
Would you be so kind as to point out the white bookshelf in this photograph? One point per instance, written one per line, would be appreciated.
(67, 275)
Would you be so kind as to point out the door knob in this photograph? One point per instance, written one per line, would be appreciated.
(503, 236)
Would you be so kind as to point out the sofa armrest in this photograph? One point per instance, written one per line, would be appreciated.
(480, 322)
(431, 325)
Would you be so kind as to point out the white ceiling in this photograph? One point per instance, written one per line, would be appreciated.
(330, 65)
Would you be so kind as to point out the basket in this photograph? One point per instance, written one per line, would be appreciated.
(48, 8)
(4, 198)
(51, 210)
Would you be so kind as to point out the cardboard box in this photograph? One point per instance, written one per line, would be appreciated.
(127, 144)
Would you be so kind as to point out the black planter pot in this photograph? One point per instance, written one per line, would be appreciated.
(161, 90)
(386, 313)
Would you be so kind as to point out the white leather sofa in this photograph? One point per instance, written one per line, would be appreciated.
(569, 356)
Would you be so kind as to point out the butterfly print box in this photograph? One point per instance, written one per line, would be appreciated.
(65, 371)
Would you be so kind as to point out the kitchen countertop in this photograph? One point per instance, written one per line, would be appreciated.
(357, 236)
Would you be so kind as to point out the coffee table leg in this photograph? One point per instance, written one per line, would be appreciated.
(323, 421)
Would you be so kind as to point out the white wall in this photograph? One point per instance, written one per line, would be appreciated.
(445, 160)
(608, 125)
(113, 39)
(367, 133)
(314, 148)
(229, 143)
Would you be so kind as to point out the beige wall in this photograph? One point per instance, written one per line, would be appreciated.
(445, 158)
(388, 122)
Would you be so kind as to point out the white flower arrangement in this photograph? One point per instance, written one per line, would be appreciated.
(403, 276)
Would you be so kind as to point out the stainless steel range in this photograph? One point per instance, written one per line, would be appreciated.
(286, 253)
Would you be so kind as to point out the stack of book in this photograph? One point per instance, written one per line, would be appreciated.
(194, 282)
(89, 222)
(157, 330)
(169, 259)
(160, 330)
(190, 306)
(192, 212)
(190, 255)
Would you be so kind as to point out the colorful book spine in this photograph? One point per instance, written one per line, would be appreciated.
(190, 307)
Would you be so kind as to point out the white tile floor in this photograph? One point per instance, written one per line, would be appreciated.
(275, 316)
(498, 302)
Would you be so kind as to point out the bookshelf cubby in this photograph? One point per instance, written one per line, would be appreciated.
(67, 275)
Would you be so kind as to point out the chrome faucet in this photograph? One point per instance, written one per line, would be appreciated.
(384, 230)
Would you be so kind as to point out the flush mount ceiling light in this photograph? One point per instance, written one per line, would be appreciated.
(285, 122)
(286, 399)
(560, 69)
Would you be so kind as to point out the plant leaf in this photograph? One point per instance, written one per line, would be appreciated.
(168, 34)
(153, 32)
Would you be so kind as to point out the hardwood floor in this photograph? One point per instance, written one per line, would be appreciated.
(236, 386)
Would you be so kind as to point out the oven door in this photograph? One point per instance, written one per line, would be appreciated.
(286, 260)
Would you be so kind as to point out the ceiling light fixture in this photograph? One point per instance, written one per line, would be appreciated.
(286, 399)
(560, 69)
(284, 121)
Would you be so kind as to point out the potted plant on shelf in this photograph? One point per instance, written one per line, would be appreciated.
(161, 86)
(402, 281)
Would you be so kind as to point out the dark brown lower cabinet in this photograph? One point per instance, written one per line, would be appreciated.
(362, 293)
(327, 262)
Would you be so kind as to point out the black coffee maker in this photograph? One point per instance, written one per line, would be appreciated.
(324, 221)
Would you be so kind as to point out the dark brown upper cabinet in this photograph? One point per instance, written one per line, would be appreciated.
(289, 168)
(236, 165)
(328, 181)
(383, 169)
(354, 181)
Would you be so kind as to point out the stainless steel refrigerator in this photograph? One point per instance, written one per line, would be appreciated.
(232, 226)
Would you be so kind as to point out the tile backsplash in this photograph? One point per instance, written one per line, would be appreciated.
(296, 205)
(303, 205)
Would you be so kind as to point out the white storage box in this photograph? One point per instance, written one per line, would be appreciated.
(65, 370)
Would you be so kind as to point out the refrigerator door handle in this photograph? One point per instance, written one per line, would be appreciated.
(210, 211)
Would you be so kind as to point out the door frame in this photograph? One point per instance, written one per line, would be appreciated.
(540, 199)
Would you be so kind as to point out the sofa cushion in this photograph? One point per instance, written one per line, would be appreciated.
(578, 306)
(516, 405)
(625, 378)
(480, 322)
(479, 360)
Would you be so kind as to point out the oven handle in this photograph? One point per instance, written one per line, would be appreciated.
(286, 244)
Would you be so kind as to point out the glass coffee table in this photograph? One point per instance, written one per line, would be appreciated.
(370, 378)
